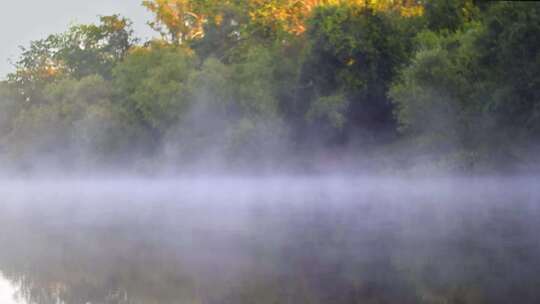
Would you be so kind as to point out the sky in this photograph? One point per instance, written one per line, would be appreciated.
(24, 20)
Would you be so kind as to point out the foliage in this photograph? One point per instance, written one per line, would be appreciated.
(81, 51)
(281, 17)
(511, 55)
(477, 84)
(149, 84)
(450, 15)
(73, 124)
(330, 109)
(435, 85)
(232, 110)
(355, 53)
(177, 20)
(242, 80)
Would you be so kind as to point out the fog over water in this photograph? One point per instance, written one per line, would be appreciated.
(270, 152)
(270, 240)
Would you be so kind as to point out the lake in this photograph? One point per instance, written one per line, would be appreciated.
(270, 240)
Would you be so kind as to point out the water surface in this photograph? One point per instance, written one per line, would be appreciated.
(270, 240)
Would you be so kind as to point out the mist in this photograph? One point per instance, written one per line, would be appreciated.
(274, 152)
(233, 240)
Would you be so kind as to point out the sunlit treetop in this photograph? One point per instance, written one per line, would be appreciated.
(290, 15)
(181, 21)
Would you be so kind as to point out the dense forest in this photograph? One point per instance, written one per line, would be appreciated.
(309, 86)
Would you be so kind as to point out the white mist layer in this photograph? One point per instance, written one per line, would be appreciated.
(218, 235)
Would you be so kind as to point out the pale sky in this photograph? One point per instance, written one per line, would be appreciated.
(25, 20)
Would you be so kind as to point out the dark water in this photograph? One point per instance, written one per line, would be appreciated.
(290, 240)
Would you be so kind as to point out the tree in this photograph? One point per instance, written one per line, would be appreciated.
(511, 57)
(179, 21)
(9, 107)
(232, 114)
(290, 16)
(450, 15)
(76, 124)
(81, 51)
(354, 54)
(475, 90)
(95, 49)
(150, 86)
(223, 34)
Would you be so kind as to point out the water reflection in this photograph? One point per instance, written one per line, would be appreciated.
(9, 293)
(271, 241)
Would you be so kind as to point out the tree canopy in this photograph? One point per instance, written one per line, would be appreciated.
(254, 80)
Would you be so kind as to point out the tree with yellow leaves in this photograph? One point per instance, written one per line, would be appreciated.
(179, 21)
(290, 16)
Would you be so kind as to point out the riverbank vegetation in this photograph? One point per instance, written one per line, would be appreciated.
(303, 85)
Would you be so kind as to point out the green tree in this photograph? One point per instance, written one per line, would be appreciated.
(81, 51)
(510, 56)
(75, 124)
(9, 107)
(475, 91)
(95, 49)
(150, 86)
(233, 113)
(437, 100)
(354, 53)
(450, 15)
